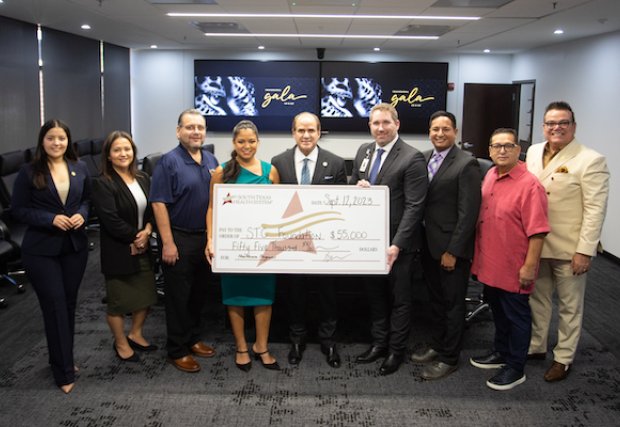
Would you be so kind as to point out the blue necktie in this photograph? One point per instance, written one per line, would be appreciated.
(305, 173)
(433, 165)
(374, 171)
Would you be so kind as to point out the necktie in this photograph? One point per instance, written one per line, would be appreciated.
(433, 165)
(374, 171)
(305, 173)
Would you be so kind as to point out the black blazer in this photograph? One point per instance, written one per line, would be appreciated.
(329, 168)
(118, 214)
(452, 205)
(404, 172)
(37, 208)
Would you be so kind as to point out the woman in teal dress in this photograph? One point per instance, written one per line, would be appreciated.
(246, 290)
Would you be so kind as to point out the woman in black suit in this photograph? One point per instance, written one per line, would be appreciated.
(120, 200)
(51, 195)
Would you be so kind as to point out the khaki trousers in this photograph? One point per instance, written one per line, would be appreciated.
(557, 276)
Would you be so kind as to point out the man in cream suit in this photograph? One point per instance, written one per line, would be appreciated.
(576, 180)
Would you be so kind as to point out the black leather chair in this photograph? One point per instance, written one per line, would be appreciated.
(10, 265)
(10, 163)
(478, 303)
(148, 166)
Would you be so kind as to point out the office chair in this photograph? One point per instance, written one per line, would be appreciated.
(478, 302)
(148, 166)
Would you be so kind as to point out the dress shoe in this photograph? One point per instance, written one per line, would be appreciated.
(373, 353)
(488, 361)
(245, 367)
(272, 366)
(200, 349)
(557, 372)
(506, 379)
(332, 356)
(391, 364)
(141, 347)
(424, 355)
(537, 356)
(185, 364)
(437, 370)
(133, 358)
(296, 353)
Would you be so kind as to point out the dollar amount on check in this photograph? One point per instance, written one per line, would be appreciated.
(317, 229)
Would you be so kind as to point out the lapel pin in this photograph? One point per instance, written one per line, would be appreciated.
(72, 173)
(324, 164)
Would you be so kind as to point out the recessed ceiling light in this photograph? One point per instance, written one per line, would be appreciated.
(261, 47)
(321, 16)
(153, 46)
(85, 27)
(323, 36)
(487, 51)
(376, 49)
(559, 31)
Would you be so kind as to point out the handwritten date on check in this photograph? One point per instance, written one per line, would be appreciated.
(317, 229)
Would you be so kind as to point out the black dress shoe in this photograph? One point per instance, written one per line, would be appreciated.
(296, 353)
(372, 354)
(391, 364)
(333, 358)
(141, 347)
(133, 358)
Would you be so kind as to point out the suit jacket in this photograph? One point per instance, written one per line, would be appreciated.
(38, 207)
(404, 172)
(577, 184)
(452, 205)
(329, 168)
(118, 214)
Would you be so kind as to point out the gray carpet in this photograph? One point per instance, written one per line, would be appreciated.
(153, 393)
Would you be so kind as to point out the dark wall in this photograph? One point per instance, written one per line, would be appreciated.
(116, 100)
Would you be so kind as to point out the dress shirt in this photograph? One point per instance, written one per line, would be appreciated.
(299, 162)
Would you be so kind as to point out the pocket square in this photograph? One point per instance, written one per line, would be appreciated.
(562, 169)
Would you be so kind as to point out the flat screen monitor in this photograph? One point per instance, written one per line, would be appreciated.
(350, 89)
(268, 93)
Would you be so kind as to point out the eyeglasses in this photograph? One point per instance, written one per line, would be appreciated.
(561, 124)
(506, 147)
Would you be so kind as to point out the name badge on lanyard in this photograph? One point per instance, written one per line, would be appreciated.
(365, 162)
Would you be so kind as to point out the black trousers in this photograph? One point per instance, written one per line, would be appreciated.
(298, 287)
(447, 291)
(513, 325)
(56, 280)
(389, 298)
(186, 288)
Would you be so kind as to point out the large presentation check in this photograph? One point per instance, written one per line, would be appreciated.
(312, 229)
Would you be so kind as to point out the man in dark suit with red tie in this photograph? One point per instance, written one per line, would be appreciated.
(306, 164)
(452, 206)
(388, 160)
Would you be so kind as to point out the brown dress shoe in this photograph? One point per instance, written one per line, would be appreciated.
(185, 364)
(557, 372)
(200, 349)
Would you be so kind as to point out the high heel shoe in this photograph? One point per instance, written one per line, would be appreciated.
(133, 358)
(140, 347)
(272, 366)
(245, 367)
(67, 388)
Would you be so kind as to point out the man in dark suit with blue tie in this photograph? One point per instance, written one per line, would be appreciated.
(390, 161)
(306, 164)
(452, 206)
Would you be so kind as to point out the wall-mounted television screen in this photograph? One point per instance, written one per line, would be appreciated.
(350, 89)
(268, 93)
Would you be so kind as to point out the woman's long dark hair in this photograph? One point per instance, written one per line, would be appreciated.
(106, 164)
(40, 169)
(232, 168)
